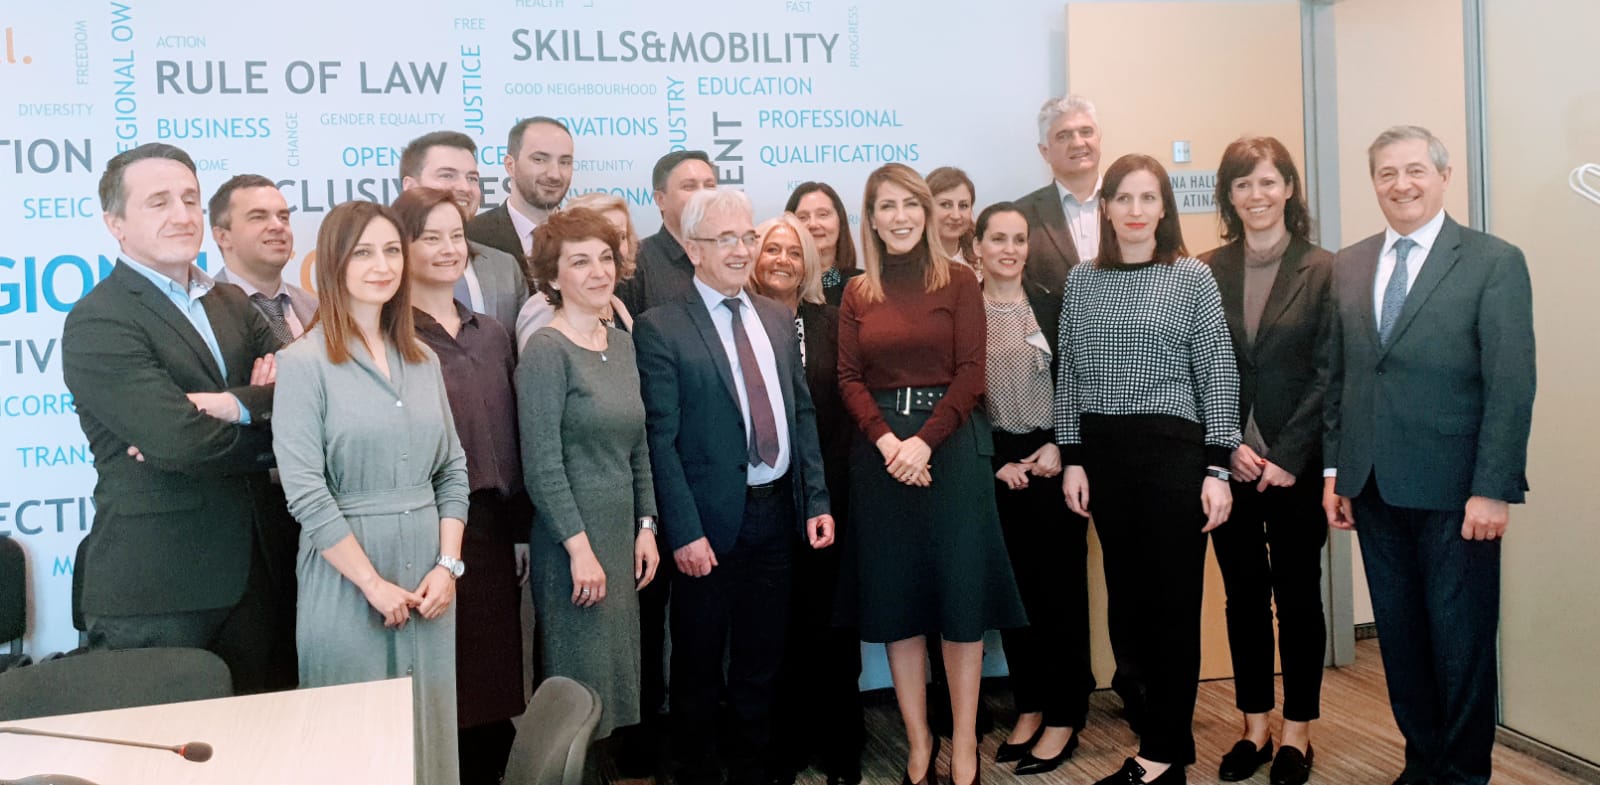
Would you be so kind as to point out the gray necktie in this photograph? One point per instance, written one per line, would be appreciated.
(1394, 294)
(272, 308)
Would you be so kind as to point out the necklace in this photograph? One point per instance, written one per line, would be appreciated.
(596, 339)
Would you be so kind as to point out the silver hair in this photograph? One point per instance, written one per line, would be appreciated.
(1056, 108)
(705, 202)
(1402, 133)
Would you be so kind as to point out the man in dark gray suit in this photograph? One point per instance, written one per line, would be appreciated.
(1428, 407)
(538, 164)
(494, 282)
(1064, 216)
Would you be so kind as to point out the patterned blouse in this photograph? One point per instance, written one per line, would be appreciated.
(1020, 390)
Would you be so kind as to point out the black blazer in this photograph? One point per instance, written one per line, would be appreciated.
(172, 533)
(698, 444)
(1442, 412)
(664, 274)
(494, 229)
(835, 426)
(1051, 252)
(1280, 375)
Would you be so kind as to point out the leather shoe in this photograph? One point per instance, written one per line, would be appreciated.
(928, 777)
(1032, 765)
(1407, 779)
(1291, 767)
(1132, 773)
(1009, 752)
(1242, 761)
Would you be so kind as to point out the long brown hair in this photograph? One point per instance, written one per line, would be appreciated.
(936, 271)
(1239, 160)
(1169, 233)
(336, 242)
(844, 252)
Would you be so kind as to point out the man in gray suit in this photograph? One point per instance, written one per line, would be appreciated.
(494, 282)
(1064, 216)
(1428, 407)
(250, 223)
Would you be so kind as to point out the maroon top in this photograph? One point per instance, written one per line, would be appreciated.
(913, 338)
(479, 364)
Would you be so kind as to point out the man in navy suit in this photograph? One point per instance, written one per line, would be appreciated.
(1428, 407)
(738, 472)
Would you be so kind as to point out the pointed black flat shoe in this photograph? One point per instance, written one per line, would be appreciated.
(1032, 765)
(1009, 752)
(1242, 761)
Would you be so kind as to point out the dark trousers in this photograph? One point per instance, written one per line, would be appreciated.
(818, 707)
(1048, 659)
(1270, 551)
(737, 614)
(1144, 494)
(1436, 597)
(245, 636)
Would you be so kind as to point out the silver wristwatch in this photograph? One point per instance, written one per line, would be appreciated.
(452, 565)
(648, 522)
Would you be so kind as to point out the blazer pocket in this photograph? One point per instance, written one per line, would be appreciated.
(153, 502)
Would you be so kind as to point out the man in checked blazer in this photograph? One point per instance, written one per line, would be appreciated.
(1428, 407)
(172, 379)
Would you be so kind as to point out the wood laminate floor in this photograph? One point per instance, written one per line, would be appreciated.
(1356, 740)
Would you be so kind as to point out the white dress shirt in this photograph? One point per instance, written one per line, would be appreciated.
(766, 359)
(524, 226)
(1083, 220)
(1424, 237)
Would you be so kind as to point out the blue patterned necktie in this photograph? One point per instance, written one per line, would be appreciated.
(1394, 294)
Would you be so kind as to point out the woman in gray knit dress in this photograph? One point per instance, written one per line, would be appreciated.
(375, 475)
(587, 469)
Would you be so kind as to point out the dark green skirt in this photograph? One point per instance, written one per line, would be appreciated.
(930, 561)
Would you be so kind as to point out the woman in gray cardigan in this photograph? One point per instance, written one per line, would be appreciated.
(377, 479)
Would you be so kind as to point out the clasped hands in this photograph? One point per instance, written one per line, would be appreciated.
(906, 460)
(1045, 462)
(431, 598)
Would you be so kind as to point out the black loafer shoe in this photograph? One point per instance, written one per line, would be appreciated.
(1009, 752)
(1242, 761)
(1291, 767)
(1032, 765)
(1132, 773)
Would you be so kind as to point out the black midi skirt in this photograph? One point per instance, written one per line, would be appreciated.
(930, 561)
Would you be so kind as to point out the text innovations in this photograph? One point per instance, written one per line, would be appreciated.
(650, 46)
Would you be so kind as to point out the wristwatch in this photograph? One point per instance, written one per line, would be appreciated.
(1219, 473)
(648, 522)
(452, 565)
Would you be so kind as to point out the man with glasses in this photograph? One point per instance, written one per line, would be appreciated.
(738, 468)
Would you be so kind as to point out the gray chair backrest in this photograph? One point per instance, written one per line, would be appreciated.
(13, 590)
(553, 735)
(100, 680)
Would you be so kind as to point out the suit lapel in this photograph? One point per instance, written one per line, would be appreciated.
(155, 301)
(708, 333)
(508, 232)
(1288, 283)
(1366, 277)
(1443, 256)
(1227, 266)
(1054, 218)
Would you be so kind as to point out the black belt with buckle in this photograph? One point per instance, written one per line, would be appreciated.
(906, 400)
(766, 489)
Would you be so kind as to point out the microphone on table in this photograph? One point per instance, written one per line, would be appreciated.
(196, 751)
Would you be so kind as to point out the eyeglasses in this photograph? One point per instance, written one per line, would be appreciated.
(728, 241)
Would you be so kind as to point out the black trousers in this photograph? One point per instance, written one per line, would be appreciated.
(1270, 550)
(738, 615)
(818, 709)
(1048, 659)
(1144, 494)
(1436, 597)
(246, 636)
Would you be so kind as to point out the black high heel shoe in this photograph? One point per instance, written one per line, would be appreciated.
(1032, 765)
(927, 776)
(1009, 752)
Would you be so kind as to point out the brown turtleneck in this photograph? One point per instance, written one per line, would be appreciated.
(913, 338)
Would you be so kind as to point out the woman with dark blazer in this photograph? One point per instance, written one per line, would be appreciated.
(822, 213)
(818, 712)
(1049, 659)
(1275, 293)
